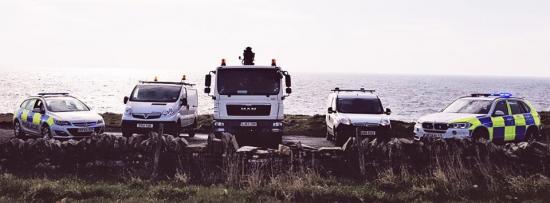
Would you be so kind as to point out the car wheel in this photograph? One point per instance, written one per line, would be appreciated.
(530, 135)
(46, 132)
(480, 135)
(17, 130)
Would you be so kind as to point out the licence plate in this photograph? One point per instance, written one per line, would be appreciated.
(368, 133)
(433, 135)
(145, 125)
(85, 130)
(249, 124)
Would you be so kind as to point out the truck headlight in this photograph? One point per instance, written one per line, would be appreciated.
(278, 124)
(385, 122)
(218, 124)
(58, 122)
(460, 125)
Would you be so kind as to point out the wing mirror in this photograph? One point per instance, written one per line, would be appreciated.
(499, 113)
(330, 110)
(184, 102)
(207, 80)
(288, 90)
(288, 81)
(388, 111)
(126, 99)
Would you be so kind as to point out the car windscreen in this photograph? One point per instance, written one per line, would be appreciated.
(156, 93)
(472, 106)
(248, 82)
(65, 104)
(359, 106)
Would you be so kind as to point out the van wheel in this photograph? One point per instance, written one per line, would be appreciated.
(191, 131)
(177, 130)
(46, 132)
(126, 133)
(17, 130)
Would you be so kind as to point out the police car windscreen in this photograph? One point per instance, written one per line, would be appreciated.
(156, 93)
(471, 106)
(248, 82)
(65, 104)
(360, 106)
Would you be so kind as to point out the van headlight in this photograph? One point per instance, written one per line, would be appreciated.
(169, 112)
(345, 121)
(385, 122)
(460, 125)
(128, 111)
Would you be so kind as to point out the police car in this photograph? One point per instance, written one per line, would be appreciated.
(151, 103)
(352, 112)
(56, 115)
(494, 117)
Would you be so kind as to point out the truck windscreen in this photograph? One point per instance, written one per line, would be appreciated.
(248, 82)
(156, 93)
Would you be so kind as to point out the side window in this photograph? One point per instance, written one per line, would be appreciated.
(525, 108)
(501, 106)
(24, 104)
(515, 107)
(30, 104)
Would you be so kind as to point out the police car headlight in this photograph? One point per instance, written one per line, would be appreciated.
(345, 121)
(385, 122)
(218, 124)
(460, 125)
(62, 122)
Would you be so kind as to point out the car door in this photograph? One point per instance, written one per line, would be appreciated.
(37, 110)
(498, 132)
(520, 121)
(22, 111)
(27, 117)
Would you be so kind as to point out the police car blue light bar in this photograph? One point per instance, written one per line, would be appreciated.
(503, 95)
(52, 93)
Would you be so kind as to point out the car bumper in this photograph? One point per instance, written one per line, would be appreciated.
(74, 132)
(451, 133)
(240, 126)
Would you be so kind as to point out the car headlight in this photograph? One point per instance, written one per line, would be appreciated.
(385, 122)
(128, 111)
(345, 121)
(218, 124)
(58, 122)
(278, 124)
(460, 125)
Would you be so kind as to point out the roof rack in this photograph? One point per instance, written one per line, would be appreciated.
(171, 83)
(352, 90)
(52, 93)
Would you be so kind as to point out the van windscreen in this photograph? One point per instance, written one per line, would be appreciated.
(156, 93)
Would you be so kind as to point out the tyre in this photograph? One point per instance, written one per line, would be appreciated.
(480, 135)
(328, 136)
(191, 131)
(46, 132)
(177, 129)
(531, 134)
(126, 133)
(340, 138)
(17, 130)
(275, 141)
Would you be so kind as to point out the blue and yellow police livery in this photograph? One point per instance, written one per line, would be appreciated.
(56, 115)
(494, 117)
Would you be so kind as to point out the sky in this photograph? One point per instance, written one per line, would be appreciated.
(450, 37)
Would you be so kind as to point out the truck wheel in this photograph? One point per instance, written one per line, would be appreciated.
(17, 130)
(276, 140)
(126, 133)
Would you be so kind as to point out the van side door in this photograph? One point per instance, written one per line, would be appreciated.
(185, 110)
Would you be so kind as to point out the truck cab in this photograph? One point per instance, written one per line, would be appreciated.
(151, 103)
(248, 101)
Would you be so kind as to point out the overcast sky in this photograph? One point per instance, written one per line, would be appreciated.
(503, 37)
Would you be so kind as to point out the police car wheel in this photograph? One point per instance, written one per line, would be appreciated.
(18, 132)
(46, 132)
(531, 134)
(480, 135)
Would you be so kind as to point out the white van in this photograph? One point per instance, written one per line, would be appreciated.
(356, 112)
(174, 104)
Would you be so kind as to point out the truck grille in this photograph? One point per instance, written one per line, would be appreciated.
(248, 110)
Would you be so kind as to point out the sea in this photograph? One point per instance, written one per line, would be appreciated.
(408, 96)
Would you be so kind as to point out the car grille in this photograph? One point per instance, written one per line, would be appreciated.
(248, 110)
(84, 124)
(435, 126)
(146, 115)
